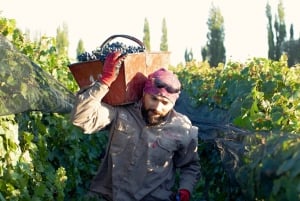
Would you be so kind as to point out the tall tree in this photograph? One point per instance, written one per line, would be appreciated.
(292, 48)
(271, 51)
(292, 32)
(215, 49)
(164, 37)
(204, 53)
(62, 41)
(276, 39)
(80, 48)
(146, 38)
(188, 55)
(280, 30)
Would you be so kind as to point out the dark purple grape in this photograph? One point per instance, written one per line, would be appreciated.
(101, 53)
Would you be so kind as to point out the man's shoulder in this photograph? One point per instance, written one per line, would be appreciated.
(181, 117)
(184, 124)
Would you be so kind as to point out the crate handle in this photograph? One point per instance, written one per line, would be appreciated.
(123, 36)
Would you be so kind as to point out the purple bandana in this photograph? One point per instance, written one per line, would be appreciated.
(163, 82)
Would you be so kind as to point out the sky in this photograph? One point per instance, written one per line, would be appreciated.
(94, 21)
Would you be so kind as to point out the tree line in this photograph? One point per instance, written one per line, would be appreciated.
(278, 44)
(214, 51)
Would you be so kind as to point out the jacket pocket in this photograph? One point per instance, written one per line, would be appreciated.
(122, 134)
(160, 155)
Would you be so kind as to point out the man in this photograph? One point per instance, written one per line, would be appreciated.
(148, 141)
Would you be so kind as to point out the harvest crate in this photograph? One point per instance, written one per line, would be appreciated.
(128, 87)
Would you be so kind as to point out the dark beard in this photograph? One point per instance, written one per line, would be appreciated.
(152, 117)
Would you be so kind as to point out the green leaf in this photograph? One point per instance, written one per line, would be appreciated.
(277, 117)
(40, 190)
(285, 166)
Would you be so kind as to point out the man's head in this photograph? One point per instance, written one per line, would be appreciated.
(163, 82)
(161, 90)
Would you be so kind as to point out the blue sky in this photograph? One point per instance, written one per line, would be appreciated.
(96, 20)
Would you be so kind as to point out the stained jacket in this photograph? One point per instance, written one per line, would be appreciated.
(140, 161)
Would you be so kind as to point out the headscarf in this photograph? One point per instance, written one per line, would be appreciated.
(163, 82)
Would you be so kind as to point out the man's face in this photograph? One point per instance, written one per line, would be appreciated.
(155, 108)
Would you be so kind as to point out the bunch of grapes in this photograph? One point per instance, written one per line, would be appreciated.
(86, 56)
(101, 53)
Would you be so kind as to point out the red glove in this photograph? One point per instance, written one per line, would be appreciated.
(111, 67)
(184, 195)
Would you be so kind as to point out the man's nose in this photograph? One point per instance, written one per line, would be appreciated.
(159, 106)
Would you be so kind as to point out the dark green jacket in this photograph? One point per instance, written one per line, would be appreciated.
(141, 160)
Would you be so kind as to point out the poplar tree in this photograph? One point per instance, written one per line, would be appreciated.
(164, 37)
(292, 32)
(280, 30)
(62, 41)
(289, 47)
(80, 48)
(271, 50)
(276, 41)
(292, 48)
(146, 38)
(215, 49)
(188, 55)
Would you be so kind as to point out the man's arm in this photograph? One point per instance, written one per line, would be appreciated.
(89, 113)
(188, 162)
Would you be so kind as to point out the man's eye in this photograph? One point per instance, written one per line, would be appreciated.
(154, 98)
(164, 102)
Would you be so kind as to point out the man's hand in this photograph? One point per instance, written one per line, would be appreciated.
(111, 67)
